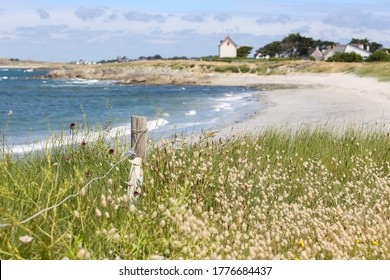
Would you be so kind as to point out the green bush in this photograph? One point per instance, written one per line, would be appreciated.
(230, 68)
(379, 56)
(245, 68)
(346, 57)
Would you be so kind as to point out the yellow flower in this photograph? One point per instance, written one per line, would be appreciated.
(300, 242)
(375, 243)
(357, 241)
(297, 259)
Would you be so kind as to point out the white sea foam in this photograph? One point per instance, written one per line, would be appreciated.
(226, 102)
(156, 123)
(79, 138)
(191, 113)
(222, 106)
(181, 126)
(84, 82)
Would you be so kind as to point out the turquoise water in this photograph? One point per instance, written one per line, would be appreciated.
(41, 107)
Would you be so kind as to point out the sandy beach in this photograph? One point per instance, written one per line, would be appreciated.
(291, 100)
(338, 100)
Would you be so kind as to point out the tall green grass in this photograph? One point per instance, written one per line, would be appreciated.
(307, 194)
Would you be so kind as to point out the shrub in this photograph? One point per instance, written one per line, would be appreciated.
(245, 68)
(346, 57)
(379, 56)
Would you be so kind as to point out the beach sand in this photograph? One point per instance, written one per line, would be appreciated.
(335, 100)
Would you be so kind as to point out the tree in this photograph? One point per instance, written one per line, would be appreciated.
(381, 55)
(297, 45)
(373, 46)
(244, 51)
(323, 45)
(270, 49)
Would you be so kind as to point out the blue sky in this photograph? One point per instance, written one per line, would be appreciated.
(66, 30)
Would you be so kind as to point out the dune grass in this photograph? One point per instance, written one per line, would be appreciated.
(307, 194)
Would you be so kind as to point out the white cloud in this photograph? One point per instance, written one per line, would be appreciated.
(222, 17)
(272, 19)
(87, 14)
(357, 20)
(43, 14)
(143, 17)
(194, 17)
(119, 30)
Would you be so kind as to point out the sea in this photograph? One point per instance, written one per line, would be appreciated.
(33, 108)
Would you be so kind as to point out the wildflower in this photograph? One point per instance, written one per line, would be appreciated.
(72, 127)
(81, 253)
(87, 256)
(103, 203)
(116, 237)
(132, 208)
(375, 243)
(10, 113)
(300, 242)
(176, 244)
(111, 151)
(82, 192)
(26, 238)
(156, 257)
(109, 181)
(76, 214)
(98, 212)
(162, 223)
(83, 144)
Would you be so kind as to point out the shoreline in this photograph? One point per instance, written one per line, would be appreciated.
(291, 100)
(329, 100)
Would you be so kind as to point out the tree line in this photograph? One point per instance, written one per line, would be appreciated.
(296, 46)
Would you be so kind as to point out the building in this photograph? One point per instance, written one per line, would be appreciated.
(316, 54)
(358, 49)
(227, 48)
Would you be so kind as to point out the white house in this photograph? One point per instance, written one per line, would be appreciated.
(358, 49)
(227, 48)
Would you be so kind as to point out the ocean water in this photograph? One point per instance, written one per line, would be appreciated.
(42, 107)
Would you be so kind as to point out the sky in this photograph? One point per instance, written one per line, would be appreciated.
(69, 30)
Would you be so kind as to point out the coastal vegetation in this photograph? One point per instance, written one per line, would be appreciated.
(160, 71)
(314, 193)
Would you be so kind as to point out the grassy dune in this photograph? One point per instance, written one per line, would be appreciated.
(309, 194)
(123, 71)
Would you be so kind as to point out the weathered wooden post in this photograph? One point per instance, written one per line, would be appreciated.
(139, 136)
(139, 141)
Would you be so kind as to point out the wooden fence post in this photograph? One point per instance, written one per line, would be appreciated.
(139, 136)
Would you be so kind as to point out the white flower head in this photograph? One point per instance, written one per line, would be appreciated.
(26, 238)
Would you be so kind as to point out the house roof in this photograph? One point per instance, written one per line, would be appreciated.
(228, 39)
(342, 48)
